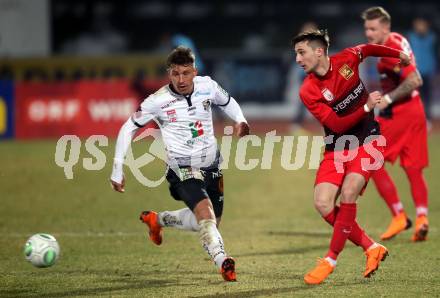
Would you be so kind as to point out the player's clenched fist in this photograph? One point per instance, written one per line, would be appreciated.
(242, 129)
(119, 187)
(373, 99)
(405, 60)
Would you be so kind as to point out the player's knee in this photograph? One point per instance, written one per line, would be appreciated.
(348, 195)
(323, 205)
(204, 210)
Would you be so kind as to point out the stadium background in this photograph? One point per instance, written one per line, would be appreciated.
(86, 64)
(81, 67)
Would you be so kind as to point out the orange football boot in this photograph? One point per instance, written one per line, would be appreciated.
(319, 273)
(374, 257)
(228, 269)
(398, 224)
(421, 229)
(150, 218)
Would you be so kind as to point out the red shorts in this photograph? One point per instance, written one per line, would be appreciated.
(406, 137)
(362, 160)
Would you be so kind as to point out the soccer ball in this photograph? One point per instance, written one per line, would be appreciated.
(42, 250)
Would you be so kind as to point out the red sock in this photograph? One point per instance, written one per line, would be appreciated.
(357, 235)
(387, 190)
(345, 219)
(419, 190)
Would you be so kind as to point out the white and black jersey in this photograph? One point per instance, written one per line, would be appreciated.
(185, 121)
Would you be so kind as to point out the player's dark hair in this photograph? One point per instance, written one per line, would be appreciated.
(376, 12)
(181, 56)
(316, 39)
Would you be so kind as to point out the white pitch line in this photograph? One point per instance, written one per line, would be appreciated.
(432, 230)
(73, 234)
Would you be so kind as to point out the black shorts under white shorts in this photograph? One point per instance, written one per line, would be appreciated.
(193, 185)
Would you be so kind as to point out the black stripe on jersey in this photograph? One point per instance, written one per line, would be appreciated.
(188, 99)
(229, 99)
(350, 100)
(135, 123)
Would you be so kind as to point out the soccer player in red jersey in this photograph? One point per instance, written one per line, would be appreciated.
(403, 123)
(335, 95)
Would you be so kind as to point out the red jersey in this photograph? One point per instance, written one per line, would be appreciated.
(337, 98)
(340, 91)
(392, 74)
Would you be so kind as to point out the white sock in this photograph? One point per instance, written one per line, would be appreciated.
(331, 261)
(183, 219)
(397, 208)
(421, 211)
(374, 245)
(212, 241)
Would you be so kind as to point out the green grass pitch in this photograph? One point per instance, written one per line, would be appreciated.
(269, 225)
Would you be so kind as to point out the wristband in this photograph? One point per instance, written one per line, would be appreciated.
(388, 99)
(366, 108)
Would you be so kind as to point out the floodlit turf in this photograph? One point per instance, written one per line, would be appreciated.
(269, 226)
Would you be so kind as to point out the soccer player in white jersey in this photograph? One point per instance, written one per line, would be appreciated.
(183, 111)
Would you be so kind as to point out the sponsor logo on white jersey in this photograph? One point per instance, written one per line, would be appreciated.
(172, 115)
(169, 103)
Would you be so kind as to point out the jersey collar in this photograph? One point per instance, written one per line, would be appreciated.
(178, 95)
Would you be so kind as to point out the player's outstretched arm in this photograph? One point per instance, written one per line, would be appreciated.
(405, 59)
(125, 136)
(374, 50)
(119, 187)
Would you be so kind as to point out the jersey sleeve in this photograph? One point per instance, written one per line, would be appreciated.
(146, 112)
(221, 97)
(311, 99)
(390, 55)
(226, 103)
(123, 142)
(355, 53)
(363, 51)
(404, 71)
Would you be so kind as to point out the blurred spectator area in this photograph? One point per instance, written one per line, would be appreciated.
(255, 79)
(245, 45)
(224, 24)
(73, 68)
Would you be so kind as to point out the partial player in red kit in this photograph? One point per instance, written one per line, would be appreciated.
(335, 95)
(403, 123)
